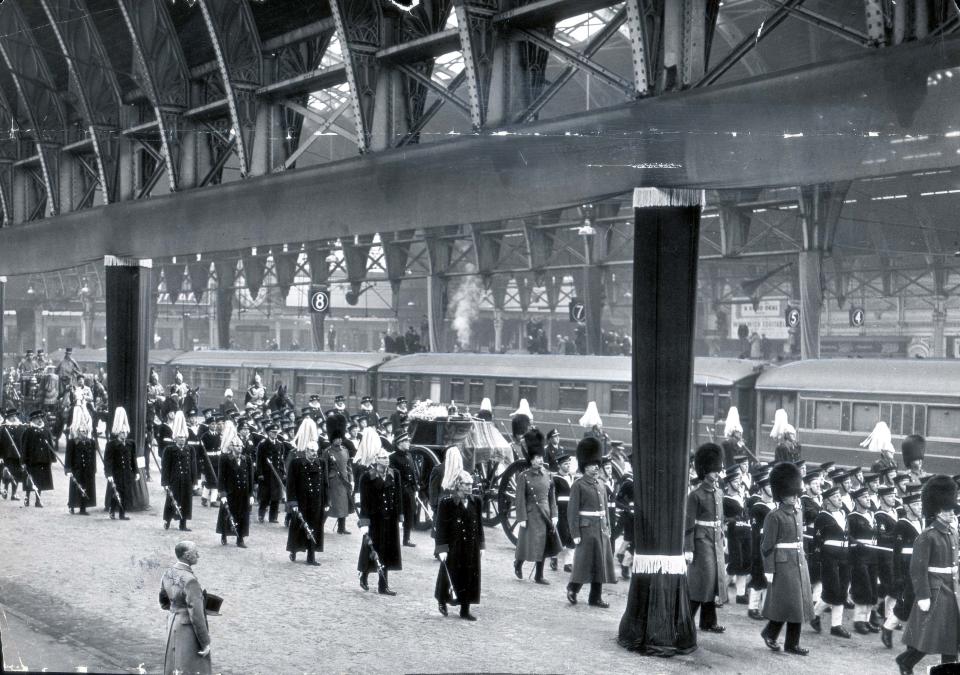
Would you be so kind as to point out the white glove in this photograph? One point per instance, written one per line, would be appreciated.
(295, 509)
(576, 541)
(769, 576)
(924, 605)
(688, 556)
(443, 557)
(554, 521)
(137, 477)
(363, 530)
(69, 473)
(109, 479)
(204, 652)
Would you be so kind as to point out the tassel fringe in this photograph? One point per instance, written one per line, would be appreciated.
(659, 564)
(650, 197)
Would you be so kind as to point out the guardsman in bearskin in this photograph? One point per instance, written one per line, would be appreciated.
(703, 539)
(381, 516)
(737, 518)
(811, 502)
(269, 472)
(402, 462)
(459, 547)
(11, 465)
(934, 623)
(914, 447)
(784, 564)
(562, 483)
(536, 508)
(830, 540)
(733, 444)
(80, 463)
(862, 532)
(908, 528)
(759, 510)
(235, 488)
(120, 466)
(886, 519)
(339, 473)
(177, 475)
(589, 522)
(210, 446)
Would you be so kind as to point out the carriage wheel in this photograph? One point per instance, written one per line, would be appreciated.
(425, 460)
(507, 499)
(487, 477)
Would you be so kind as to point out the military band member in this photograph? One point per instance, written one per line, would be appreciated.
(178, 475)
(381, 516)
(934, 623)
(589, 522)
(339, 475)
(907, 530)
(536, 508)
(80, 464)
(759, 510)
(270, 478)
(862, 532)
(811, 502)
(402, 462)
(562, 483)
(38, 455)
(704, 540)
(737, 519)
(788, 594)
(459, 547)
(120, 466)
(235, 487)
(188, 636)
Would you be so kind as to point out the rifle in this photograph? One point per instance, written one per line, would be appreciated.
(233, 523)
(173, 501)
(426, 508)
(23, 464)
(116, 493)
(73, 478)
(306, 528)
(206, 457)
(276, 475)
(157, 461)
(375, 556)
(453, 591)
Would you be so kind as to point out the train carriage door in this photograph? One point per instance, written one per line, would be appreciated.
(746, 406)
(435, 391)
(353, 392)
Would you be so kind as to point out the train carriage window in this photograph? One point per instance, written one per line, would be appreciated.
(896, 418)
(392, 387)
(503, 393)
(620, 400)
(846, 414)
(723, 405)
(907, 427)
(771, 402)
(353, 385)
(419, 388)
(865, 416)
(573, 396)
(828, 415)
(943, 422)
(920, 420)
(528, 390)
(476, 392)
(708, 405)
(458, 390)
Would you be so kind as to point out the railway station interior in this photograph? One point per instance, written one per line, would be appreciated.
(668, 208)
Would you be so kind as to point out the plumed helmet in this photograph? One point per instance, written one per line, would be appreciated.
(707, 459)
(938, 494)
(591, 417)
(533, 440)
(227, 436)
(336, 426)
(452, 467)
(523, 409)
(589, 451)
(732, 422)
(785, 481)
(879, 439)
(913, 448)
(120, 423)
(519, 425)
(307, 433)
(179, 426)
(780, 423)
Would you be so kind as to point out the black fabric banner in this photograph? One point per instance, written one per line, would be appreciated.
(199, 279)
(254, 268)
(285, 267)
(173, 280)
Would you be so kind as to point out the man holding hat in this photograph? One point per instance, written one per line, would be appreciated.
(830, 539)
(188, 636)
(536, 508)
(589, 523)
(934, 623)
(704, 540)
(784, 564)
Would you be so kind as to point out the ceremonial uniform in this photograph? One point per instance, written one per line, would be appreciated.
(381, 510)
(706, 575)
(589, 522)
(906, 532)
(120, 464)
(81, 460)
(862, 532)
(270, 490)
(236, 482)
(402, 462)
(306, 492)
(460, 536)
(811, 506)
(210, 447)
(886, 524)
(562, 485)
(758, 582)
(339, 482)
(11, 440)
(177, 475)
(187, 630)
(38, 454)
(739, 535)
(536, 506)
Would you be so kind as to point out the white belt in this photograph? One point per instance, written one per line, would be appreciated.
(563, 499)
(739, 524)
(708, 523)
(867, 542)
(598, 514)
(792, 544)
(835, 542)
(942, 570)
(906, 551)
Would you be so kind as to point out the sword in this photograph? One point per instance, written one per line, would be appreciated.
(276, 475)
(425, 507)
(23, 464)
(73, 478)
(174, 502)
(206, 457)
(157, 461)
(306, 527)
(375, 557)
(116, 493)
(233, 523)
(453, 592)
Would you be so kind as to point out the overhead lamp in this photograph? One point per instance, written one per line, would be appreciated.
(30, 289)
(586, 230)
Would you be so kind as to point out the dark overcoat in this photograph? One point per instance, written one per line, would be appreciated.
(788, 597)
(177, 474)
(382, 512)
(933, 572)
(561, 488)
(536, 506)
(210, 446)
(906, 532)
(81, 460)
(460, 536)
(11, 442)
(306, 490)
(187, 630)
(271, 487)
(37, 449)
(593, 559)
(236, 482)
(120, 464)
(703, 536)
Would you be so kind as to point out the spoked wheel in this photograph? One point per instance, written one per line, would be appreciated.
(425, 460)
(507, 499)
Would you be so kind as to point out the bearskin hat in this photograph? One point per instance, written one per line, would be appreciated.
(913, 448)
(589, 451)
(519, 425)
(939, 494)
(785, 481)
(336, 425)
(708, 458)
(533, 440)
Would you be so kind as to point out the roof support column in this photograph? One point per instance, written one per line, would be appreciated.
(319, 279)
(811, 295)
(226, 277)
(128, 289)
(667, 228)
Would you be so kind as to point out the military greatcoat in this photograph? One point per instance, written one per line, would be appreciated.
(536, 506)
(703, 536)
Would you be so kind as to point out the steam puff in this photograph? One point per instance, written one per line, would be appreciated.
(465, 307)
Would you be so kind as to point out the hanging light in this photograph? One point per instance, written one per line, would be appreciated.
(289, 134)
(30, 289)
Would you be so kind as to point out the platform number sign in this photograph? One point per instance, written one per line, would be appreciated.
(793, 317)
(857, 316)
(320, 301)
(578, 312)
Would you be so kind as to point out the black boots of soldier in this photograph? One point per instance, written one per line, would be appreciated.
(886, 637)
(342, 526)
(865, 627)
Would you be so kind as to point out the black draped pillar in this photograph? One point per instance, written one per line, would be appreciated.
(657, 620)
(128, 290)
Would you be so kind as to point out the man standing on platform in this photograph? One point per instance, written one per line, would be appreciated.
(536, 509)
(235, 488)
(589, 523)
(270, 480)
(188, 637)
(703, 540)
(177, 475)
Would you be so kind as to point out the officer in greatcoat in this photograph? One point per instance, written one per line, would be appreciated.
(589, 523)
(177, 475)
(459, 547)
(306, 496)
(37, 449)
(270, 474)
(339, 474)
(80, 463)
(788, 595)
(381, 516)
(188, 635)
(11, 442)
(934, 623)
(536, 508)
(703, 544)
(120, 466)
(235, 487)
(402, 461)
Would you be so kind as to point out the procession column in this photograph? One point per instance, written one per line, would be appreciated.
(657, 620)
(128, 288)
